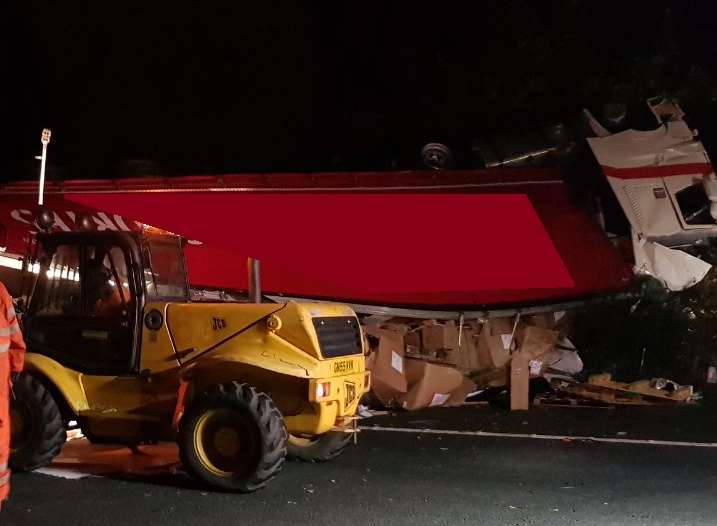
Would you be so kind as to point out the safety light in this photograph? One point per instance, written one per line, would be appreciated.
(323, 390)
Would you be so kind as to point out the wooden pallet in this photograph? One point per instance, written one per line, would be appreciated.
(642, 387)
(601, 388)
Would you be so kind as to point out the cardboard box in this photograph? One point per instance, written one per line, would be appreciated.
(519, 382)
(370, 361)
(447, 356)
(436, 337)
(556, 321)
(387, 365)
(400, 328)
(535, 342)
(386, 394)
(429, 384)
(413, 338)
(412, 350)
(495, 343)
(458, 395)
(467, 359)
(491, 378)
(545, 320)
(475, 325)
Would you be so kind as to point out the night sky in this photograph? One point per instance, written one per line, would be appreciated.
(208, 87)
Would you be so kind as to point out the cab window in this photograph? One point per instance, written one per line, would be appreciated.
(83, 311)
(165, 277)
(60, 294)
(106, 281)
(694, 205)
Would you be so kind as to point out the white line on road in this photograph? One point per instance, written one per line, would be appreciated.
(538, 437)
(63, 473)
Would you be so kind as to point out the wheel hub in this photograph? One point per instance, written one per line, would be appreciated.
(226, 442)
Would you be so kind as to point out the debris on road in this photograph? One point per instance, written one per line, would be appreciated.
(426, 363)
(602, 388)
(366, 412)
(417, 364)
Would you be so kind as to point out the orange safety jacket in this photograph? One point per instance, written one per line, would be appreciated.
(12, 359)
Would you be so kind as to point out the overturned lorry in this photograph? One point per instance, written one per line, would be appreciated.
(411, 244)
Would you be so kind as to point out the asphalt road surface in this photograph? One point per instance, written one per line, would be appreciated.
(415, 477)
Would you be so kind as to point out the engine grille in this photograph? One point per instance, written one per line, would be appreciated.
(338, 336)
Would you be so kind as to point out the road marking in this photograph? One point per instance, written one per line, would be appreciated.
(63, 473)
(538, 437)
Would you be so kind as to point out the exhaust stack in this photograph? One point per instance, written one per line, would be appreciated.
(254, 280)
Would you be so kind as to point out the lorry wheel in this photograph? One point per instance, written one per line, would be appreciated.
(233, 438)
(37, 431)
(318, 449)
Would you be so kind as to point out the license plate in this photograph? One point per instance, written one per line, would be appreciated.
(343, 367)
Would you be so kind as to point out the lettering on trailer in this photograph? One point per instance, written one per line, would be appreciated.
(101, 219)
(64, 219)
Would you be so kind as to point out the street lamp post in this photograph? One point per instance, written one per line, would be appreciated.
(45, 139)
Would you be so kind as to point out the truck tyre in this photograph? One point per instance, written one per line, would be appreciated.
(319, 449)
(233, 438)
(37, 429)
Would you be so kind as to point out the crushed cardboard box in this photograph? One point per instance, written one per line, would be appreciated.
(479, 353)
(400, 328)
(460, 393)
(413, 338)
(490, 378)
(437, 337)
(495, 343)
(535, 342)
(430, 384)
(468, 360)
(556, 321)
(387, 365)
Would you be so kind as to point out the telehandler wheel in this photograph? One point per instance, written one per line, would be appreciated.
(233, 438)
(318, 449)
(37, 431)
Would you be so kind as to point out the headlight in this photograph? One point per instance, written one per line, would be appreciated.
(323, 390)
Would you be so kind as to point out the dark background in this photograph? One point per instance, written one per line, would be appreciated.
(205, 87)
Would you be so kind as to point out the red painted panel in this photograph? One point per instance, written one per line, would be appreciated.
(349, 245)
(462, 238)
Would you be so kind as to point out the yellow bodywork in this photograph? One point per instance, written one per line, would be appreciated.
(273, 347)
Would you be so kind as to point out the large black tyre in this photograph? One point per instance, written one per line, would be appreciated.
(37, 429)
(233, 438)
(320, 449)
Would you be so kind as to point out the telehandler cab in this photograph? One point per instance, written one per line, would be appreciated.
(115, 344)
